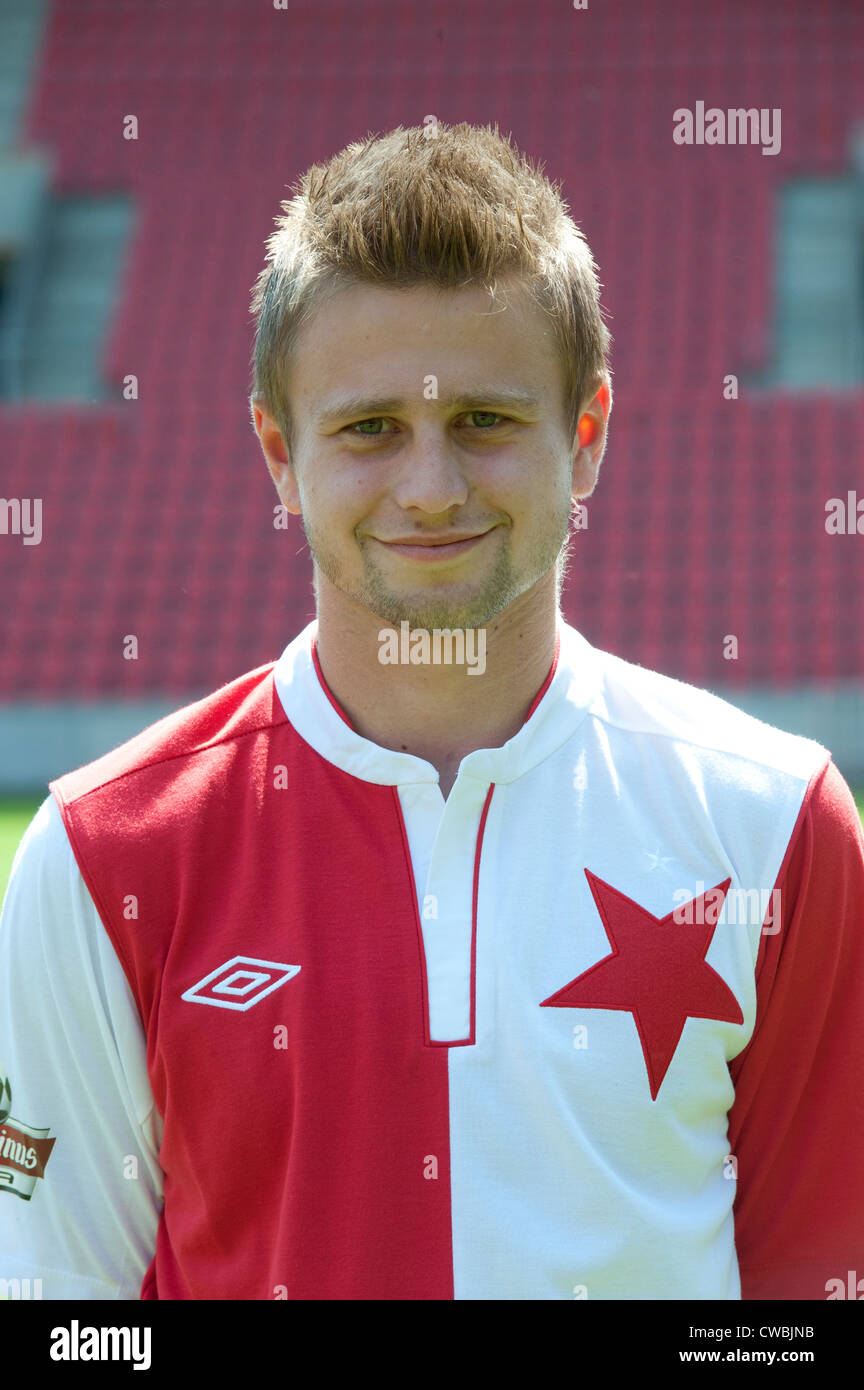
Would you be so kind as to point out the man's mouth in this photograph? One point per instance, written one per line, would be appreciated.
(434, 548)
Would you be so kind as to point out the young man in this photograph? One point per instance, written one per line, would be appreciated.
(530, 974)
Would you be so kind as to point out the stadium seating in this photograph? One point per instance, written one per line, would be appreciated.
(709, 518)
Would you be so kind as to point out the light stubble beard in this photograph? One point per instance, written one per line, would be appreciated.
(502, 587)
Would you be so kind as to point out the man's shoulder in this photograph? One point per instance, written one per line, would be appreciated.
(244, 706)
(642, 701)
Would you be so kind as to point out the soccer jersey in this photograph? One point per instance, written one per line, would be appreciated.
(294, 1026)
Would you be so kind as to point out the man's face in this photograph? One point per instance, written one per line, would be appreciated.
(419, 415)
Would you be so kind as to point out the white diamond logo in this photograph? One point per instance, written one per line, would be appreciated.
(241, 982)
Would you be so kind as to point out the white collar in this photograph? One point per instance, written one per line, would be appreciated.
(313, 711)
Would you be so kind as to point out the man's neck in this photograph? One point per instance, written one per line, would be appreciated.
(436, 711)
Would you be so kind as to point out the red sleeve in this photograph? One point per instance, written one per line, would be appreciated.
(796, 1127)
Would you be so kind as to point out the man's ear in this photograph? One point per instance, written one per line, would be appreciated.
(278, 460)
(590, 443)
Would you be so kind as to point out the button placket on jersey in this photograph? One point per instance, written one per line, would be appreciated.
(445, 905)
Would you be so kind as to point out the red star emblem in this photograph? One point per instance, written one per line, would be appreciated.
(657, 971)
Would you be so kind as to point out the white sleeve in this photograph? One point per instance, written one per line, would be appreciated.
(73, 1056)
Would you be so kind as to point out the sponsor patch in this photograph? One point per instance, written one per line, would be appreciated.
(24, 1149)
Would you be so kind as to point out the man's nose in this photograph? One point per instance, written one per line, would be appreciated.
(432, 474)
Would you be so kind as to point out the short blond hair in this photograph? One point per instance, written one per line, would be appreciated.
(443, 205)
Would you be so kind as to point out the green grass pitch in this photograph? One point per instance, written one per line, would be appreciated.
(16, 814)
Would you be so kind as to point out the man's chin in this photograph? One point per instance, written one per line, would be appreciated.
(429, 613)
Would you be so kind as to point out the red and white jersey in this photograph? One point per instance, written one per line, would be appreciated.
(299, 1028)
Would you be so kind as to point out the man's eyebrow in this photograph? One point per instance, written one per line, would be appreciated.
(345, 407)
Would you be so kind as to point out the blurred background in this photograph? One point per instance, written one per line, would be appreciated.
(144, 151)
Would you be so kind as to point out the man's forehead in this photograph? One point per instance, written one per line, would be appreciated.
(520, 384)
(341, 306)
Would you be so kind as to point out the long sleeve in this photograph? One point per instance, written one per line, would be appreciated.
(796, 1127)
(73, 1055)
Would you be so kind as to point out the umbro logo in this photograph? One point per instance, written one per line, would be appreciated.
(241, 982)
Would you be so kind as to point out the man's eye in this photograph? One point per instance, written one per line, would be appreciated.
(490, 416)
(379, 420)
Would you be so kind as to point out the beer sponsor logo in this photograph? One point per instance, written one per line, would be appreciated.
(24, 1150)
(241, 982)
